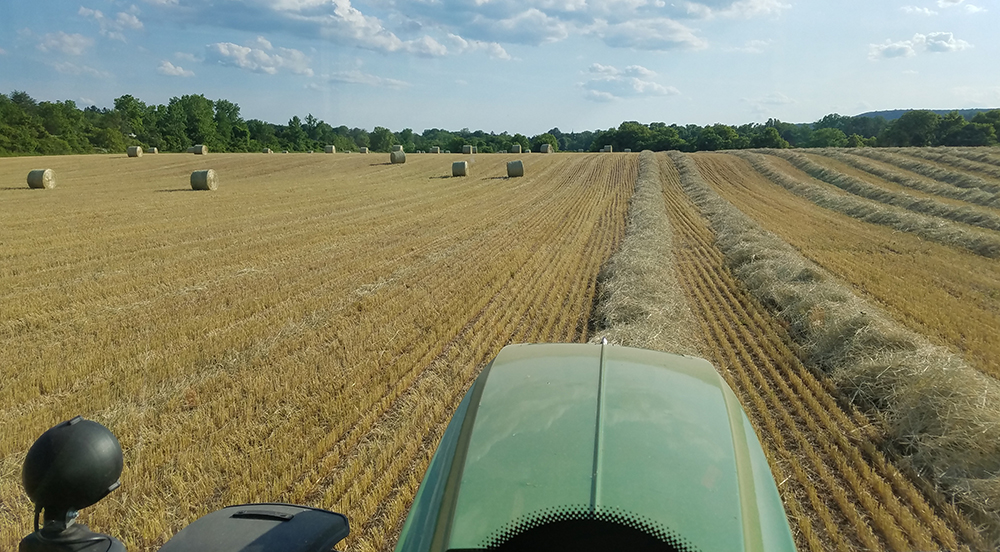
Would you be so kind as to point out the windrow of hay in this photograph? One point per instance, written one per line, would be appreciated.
(460, 168)
(942, 416)
(929, 170)
(640, 302)
(956, 158)
(925, 226)
(857, 186)
(982, 155)
(924, 184)
(42, 179)
(134, 151)
(397, 157)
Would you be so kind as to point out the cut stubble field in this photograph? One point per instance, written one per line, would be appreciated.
(304, 333)
(300, 335)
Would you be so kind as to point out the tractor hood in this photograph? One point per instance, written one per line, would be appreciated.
(576, 431)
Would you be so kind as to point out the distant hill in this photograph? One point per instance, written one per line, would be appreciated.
(893, 114)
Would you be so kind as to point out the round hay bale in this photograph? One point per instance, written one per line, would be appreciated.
(467, 149)
(310, 151)
(363, 150)
(515, 168)
(546, 148)
(191, 149)
(204, 180)
(435, 149)
(284, 151)
(397, 147)
(460, 168)
(42, 179)
(135, 151)
(609, 148)
(330, 149)
(267, 150)
(152, 150)
(627, 150)
(516, 148)
(447, 151)
(199, 149)
(397, 157)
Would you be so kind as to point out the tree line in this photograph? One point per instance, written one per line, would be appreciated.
(31, 127)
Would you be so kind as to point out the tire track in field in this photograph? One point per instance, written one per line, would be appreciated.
(838, 489)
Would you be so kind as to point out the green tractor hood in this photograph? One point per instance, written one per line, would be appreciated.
(612, 436)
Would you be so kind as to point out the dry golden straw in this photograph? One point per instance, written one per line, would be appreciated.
(204, 180)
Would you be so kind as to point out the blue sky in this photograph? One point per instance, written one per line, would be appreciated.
(508, 64)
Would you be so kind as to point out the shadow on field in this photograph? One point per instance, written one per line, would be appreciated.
(177, 190)
(17, 188)
(380, 164)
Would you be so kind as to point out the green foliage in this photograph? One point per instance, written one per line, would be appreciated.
(28, 127)
(828, 138)
(768, 137)
(546, 138)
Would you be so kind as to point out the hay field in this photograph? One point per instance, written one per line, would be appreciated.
(301, 334)
(947, 293)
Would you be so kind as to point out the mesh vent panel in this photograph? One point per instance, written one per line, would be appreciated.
(580, 529)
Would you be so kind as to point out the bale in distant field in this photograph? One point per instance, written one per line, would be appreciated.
(627, 150)
(152, 150)
(310, 151)
(447, 151)
(580, 150)
(397, 147)
(460, 168)
(397, 157)
(42, 179)
(135, 151)
(515, 168)
(467, 149)
(435, 149)
(204, 180)
(516, 148)
(363, 150)
(475, 149)
(545, 148)
(267, 150)
(191, 149)
(330, 149)
(609, 148)
(284, 151)
(199, 149)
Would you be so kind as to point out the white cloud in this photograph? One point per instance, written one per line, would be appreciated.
(948, 3)
(113, 28)
(163, 3)
(608, 83)
(68, 68)
(650, 34)
(87, 101)
(71, 44)
(753, 47)
(742, 9)
(260, 57)
(184, 56)
(359, 77)
(918, 11)
(764, 106)
(939, 42)
(3, 52)
(492, 49)
(171, 70)
(969, 8)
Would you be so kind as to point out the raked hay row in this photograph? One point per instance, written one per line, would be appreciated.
(304, 332)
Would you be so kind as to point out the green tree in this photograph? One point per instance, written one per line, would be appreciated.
(768, 137)
(382, 139)
(914, 128)
(545, 138)
(828, 138)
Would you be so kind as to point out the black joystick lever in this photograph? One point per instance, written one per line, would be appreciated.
(71, 466)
